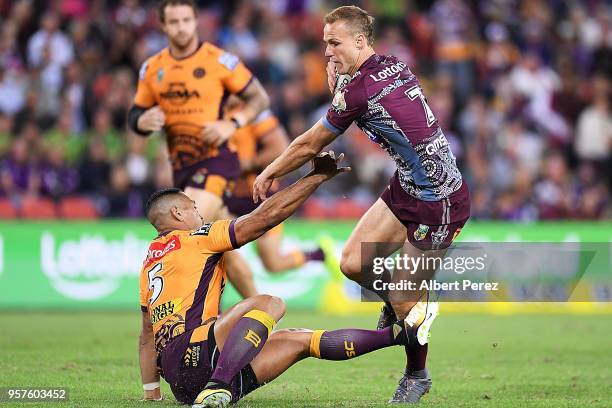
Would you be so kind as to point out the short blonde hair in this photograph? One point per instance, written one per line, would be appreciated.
(357, 19)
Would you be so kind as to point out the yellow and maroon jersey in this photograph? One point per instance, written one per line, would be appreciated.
(191, 91)
(245, 139)
(183, 277)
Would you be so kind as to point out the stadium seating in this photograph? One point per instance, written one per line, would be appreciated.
(77, 207)
(38, 208)
(7, 209)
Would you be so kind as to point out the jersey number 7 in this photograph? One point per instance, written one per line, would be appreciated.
(415, 92)
(156, 283)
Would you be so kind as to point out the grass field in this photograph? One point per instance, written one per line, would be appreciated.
(476, 361)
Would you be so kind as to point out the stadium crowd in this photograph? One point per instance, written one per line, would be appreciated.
(521, 88)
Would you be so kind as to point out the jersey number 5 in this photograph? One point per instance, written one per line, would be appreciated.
(156, 283)
(415, 92)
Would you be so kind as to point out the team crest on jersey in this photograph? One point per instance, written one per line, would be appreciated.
(203, 230)
(338, 103)
(143, 70)
(421, 232)
(437, 238)
(229, 60)
(198, 72)
(160, 74)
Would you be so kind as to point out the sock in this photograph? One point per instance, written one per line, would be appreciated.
(417, 357)
(316, 255)
(348, 343)
(245, 341)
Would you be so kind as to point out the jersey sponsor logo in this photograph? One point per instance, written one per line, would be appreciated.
(164, 310)
(158, 250)
(437, 144)
(421, 232)
(338, 103)
(392, 71)
(203, 230)
(253, 338)
(192, 356)
(178, 94)
(143, 70)
(229, 60)
(199, 72)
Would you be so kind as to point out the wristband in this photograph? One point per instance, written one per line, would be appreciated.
(150, 386)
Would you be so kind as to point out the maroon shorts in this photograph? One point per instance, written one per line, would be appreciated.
(240, 205)
(215, 174)
(187, 365)
(431, 224)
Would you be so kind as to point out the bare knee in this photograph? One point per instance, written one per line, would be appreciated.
(272, 305)
(270, 263)
(350, 264)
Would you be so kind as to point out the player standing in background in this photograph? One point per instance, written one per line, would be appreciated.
(258, 144)
(182, 90)
(210, 360)
(426, 203)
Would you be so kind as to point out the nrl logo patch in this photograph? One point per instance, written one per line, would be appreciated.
(421, 232)
(160, 74)
(338, 103)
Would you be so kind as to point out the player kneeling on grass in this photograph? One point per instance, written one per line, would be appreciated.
(210, 360)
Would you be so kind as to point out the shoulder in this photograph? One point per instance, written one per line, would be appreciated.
(224, 58)
(152, 63)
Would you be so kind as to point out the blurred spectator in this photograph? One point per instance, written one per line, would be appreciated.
(123, 201)
(594, 129)
(57, 177)
(18, 172)
(49, 51)
(521, 89)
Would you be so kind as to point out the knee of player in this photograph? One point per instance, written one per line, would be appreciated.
(268, 263)
(349, 264)
(273, 305)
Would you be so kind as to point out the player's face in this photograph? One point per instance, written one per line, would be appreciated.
(191, 217)
(342, 46)
(179, 25)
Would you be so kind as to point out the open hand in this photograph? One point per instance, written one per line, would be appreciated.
(326, 164)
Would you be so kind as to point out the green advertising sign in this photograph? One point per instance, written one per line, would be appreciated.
(79, 265)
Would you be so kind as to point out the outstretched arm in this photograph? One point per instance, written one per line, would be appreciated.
(284, 203)
(302, 149)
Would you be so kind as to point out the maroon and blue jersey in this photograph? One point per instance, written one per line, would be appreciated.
(385, 100)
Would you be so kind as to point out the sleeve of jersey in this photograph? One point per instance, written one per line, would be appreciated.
(144, 291)
(347, 106)
(265, 124)
(237, 76)
(218, 236)
(144, 96)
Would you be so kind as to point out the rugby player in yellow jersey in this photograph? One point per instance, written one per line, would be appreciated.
(258, 144)
(210, 360)
(182, 90)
